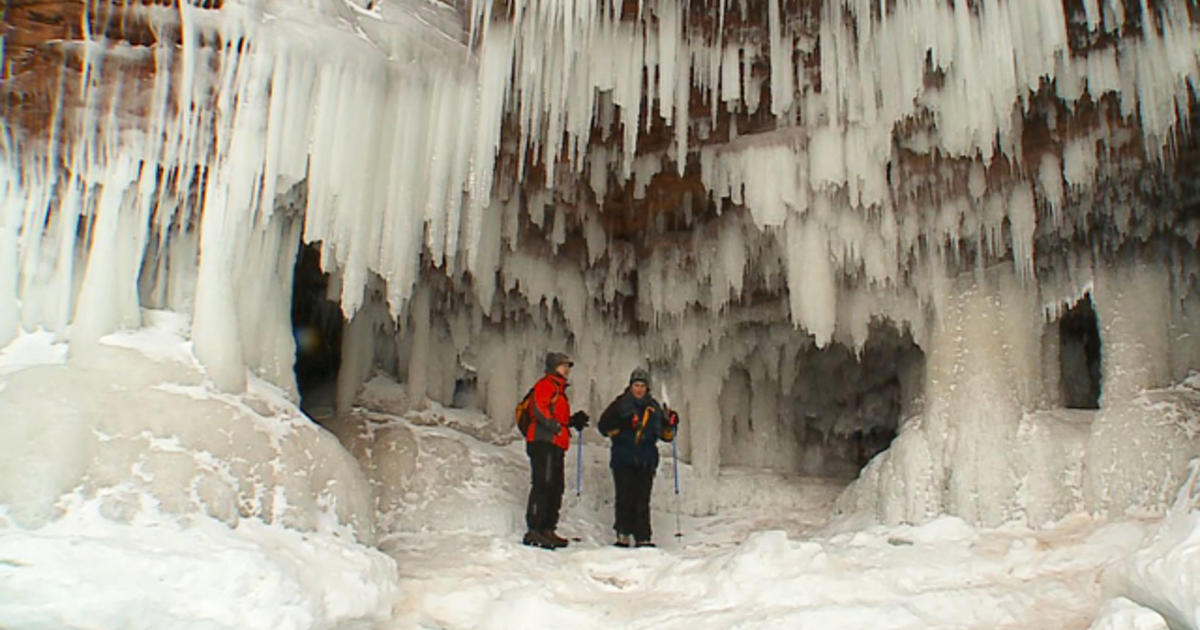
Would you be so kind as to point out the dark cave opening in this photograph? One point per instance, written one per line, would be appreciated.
(1079, 356)
(317, 330)
(842, 408)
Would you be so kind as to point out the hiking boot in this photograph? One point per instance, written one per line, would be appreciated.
(646, 543)
(558, 541)
(537, 539)
(624, 540)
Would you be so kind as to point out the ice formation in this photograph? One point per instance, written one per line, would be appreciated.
(925, 182)
(135, 429)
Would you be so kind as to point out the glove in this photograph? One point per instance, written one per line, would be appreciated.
(672, 419)
(579, 420)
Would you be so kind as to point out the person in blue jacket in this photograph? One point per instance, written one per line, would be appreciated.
(635, 422)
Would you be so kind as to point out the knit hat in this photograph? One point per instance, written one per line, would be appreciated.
(555, 359)
(640, 375)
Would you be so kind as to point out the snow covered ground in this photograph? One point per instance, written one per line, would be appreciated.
(769, 558)
(941, 575)
(774, 561)
(86, 571)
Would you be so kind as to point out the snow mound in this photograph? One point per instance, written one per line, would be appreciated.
(87, 571)
(1161, 578)
(1138, 450)
(425, 476)
(137, 418)
(1123, 614)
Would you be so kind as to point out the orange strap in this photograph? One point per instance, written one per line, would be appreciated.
(645, 421)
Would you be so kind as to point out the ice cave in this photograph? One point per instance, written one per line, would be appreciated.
(920, 277)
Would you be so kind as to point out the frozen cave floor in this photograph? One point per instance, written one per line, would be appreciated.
(759, 565)
(942, 575)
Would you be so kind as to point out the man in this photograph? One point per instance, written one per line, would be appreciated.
(635, 422)
(546, 442)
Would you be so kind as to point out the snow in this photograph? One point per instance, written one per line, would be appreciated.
(137, 495)
(86, 571)
(137, 417)
(1123, 614)
(37, 348)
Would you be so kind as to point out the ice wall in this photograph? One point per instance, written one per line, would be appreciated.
(990, 448)
(187, 184)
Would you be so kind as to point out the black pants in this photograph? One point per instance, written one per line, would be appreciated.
(633, 485)
(546, 487)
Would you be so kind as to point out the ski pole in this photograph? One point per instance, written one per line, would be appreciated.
(579, 465)
(666, 399)
(675, 466)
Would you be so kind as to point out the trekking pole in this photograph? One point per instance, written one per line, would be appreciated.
(666, 400)
(675, 466)
(579, 466)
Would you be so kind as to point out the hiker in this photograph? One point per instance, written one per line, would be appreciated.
(635, 422)
(546, 442)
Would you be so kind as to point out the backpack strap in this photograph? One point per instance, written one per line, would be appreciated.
(642, 426)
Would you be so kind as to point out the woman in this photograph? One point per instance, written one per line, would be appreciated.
(546, 441)
(635, 422)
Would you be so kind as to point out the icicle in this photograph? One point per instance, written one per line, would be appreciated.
(1022, 217)
(781, 60)
(812, 287)
(10, 210)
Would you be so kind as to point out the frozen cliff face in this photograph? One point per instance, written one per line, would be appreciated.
(811, 220)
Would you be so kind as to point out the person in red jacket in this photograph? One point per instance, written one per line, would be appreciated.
(546, 442)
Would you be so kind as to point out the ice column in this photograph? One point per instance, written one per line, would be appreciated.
(1185, 337)
(701, 440)
(10, 210)
(1133, 309)
(1141, 440)
(422, 345)
(983, 374)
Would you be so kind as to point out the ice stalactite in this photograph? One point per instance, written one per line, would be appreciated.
(230, 128)
(9, 225)
(441, 99)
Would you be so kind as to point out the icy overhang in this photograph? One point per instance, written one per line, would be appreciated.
(826, 155)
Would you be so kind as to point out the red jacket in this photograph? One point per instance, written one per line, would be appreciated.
(551, 412)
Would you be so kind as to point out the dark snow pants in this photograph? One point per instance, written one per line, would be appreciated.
(546, 487)
(633, 485)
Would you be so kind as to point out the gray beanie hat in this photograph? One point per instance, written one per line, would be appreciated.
(555, 359)
(641, 375)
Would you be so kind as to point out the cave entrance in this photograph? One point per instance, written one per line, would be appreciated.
(835, 411)
(317, 330)
(1079, 356)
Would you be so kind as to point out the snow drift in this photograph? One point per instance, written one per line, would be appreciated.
(122, 427)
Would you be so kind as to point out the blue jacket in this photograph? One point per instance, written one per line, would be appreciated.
(635, 426)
